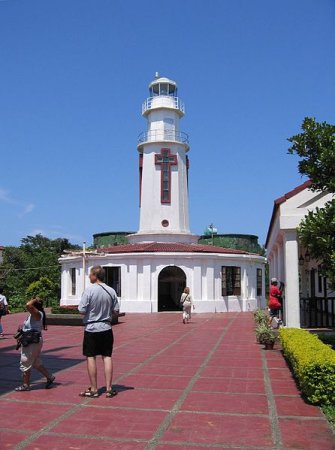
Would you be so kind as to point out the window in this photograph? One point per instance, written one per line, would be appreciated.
(113, 278)
(73, 275)
(231, 280)
(259, 282)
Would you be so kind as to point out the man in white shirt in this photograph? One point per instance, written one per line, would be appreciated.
(97, 304)
(3, 310)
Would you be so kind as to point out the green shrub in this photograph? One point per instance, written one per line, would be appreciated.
(65, 310)
(43, 288)
(17, 303)
(265, 334)
(261, 317)
(313, 364)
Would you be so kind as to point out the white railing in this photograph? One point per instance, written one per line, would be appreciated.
(162, 101)
(161, 136)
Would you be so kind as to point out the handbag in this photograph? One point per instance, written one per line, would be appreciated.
(25, 338)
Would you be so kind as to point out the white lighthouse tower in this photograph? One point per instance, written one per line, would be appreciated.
(163, 168)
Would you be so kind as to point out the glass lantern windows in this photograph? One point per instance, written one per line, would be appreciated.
(165, 89)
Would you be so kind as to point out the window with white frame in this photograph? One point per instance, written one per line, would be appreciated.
(259, 282)
(73, 276)
(230, 280)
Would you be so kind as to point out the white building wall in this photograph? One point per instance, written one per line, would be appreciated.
(139, 280)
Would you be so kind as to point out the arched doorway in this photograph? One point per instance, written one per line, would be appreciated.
(171, 283)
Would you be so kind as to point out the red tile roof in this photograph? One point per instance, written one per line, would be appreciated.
(162, 247)
(294, 192)
(279, 201)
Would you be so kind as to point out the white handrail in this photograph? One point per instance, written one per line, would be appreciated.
(159, 135)
(163, 101)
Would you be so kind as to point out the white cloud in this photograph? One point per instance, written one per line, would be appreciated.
(55, 232)
(25, 207)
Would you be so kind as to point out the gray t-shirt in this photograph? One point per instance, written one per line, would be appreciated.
(31, 324)
(3, 301)
(97, 304)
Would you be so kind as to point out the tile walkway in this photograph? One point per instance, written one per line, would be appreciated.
(205, 385)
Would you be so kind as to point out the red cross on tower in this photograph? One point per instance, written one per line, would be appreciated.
(165, 159)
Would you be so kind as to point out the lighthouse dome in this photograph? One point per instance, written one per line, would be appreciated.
(162, 86)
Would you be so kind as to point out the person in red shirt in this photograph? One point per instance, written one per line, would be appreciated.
(275, 301)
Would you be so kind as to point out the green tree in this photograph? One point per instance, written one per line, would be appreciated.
(36, 258)
(43, 288)
(316, 148)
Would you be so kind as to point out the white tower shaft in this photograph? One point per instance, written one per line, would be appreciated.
(164, 211)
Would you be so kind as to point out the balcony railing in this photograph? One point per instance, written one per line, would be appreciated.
(317, 312)
(162, 136)
(162, 101)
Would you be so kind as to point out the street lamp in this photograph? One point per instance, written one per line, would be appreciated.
(307, 256)
(301, 260)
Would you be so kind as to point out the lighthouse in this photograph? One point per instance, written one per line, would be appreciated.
(151, 269)
(163, 168)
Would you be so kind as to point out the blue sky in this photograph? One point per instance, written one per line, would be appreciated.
(75, 72)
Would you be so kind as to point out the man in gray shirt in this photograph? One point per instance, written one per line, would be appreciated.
(97, 304)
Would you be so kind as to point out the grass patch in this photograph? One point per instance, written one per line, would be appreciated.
(329, 412)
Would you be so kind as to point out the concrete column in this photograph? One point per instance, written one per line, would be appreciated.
(275, 262)
(292, 310)
(270, 262)
(280, 264)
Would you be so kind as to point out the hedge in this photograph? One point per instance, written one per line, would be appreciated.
(313, 364)
(65, 310)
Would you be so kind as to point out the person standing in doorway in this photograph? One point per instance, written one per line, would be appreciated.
(97, 304)
(187, 303)
(3, 310)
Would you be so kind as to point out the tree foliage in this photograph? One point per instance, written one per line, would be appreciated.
(35, 260)
(43, 288)
(316, 148)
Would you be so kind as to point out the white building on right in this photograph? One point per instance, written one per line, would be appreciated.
(308, 302)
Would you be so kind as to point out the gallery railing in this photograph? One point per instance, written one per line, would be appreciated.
(161, 136)
(317, 312)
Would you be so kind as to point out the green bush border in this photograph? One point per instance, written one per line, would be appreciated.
(64, 310)
(313, 364)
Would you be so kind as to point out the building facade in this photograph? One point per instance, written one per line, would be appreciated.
(150, 272)
(289, 262)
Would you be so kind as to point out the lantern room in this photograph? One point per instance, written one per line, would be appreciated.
(162, 86)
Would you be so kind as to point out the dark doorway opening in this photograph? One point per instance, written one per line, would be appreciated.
(171, 283)
(113, 278)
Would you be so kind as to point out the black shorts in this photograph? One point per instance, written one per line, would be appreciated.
(100, 343)
(274, 312)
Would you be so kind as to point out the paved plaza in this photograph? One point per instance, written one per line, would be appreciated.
(197, 386)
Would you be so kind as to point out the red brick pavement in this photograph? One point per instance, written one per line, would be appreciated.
(205, 385)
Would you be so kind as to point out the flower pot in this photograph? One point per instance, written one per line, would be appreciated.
(269, 345)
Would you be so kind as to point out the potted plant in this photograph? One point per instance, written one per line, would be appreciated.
(265, 335)
(260, 316)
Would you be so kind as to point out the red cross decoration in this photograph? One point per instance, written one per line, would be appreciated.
(165, 159)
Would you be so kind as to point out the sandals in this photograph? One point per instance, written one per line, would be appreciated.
(111, 393)
(50, 382)
(22, 388)
(95, 394)
(89, 393)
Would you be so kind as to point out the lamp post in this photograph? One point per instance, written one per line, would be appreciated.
(84, 264)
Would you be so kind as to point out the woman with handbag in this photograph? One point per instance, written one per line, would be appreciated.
(31, 344)
(3, 310)
(187, 303)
